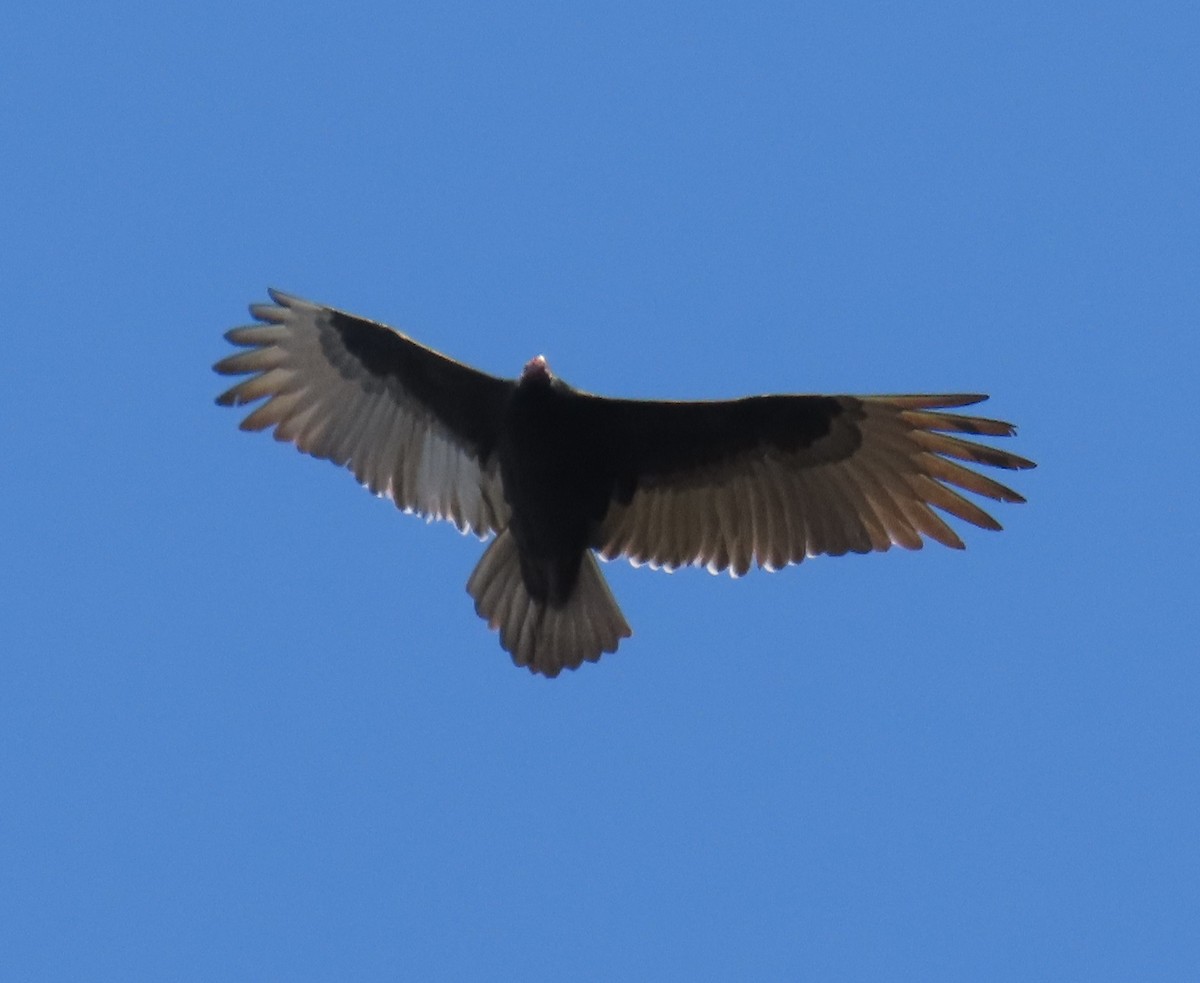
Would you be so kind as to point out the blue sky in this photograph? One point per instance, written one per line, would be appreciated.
(250, 727)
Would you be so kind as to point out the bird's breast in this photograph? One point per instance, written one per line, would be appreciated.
(553, 480)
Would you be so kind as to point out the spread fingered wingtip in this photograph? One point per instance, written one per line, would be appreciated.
(276, 311)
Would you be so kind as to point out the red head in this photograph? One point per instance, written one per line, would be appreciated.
(536, 368)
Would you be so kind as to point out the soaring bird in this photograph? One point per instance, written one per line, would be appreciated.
(559, 475)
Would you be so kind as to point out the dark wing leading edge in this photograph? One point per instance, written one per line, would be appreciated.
(410, 423)
(775, 479)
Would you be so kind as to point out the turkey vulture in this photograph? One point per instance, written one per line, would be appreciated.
(559, 475)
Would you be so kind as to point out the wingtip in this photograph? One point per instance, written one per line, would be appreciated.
(934, 401)
(275, 311)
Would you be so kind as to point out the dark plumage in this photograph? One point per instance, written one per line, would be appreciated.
(557, 473)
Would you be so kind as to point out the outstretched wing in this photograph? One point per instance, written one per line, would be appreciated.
(775, 479)
(410, 423)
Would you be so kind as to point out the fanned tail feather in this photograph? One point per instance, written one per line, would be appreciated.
(545, 638)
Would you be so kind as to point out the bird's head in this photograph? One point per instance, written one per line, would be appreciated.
(537, 369)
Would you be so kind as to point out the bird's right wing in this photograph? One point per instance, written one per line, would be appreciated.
(410, 423)
(779, 478)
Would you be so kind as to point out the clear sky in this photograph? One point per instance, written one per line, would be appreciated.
(250, 727)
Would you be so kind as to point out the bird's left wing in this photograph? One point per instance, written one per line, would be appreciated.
(775, 479)
(410, 423)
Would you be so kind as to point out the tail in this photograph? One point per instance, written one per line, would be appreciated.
(545, 637)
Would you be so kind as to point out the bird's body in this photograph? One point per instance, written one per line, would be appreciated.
(557, 473)
(553, 489)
